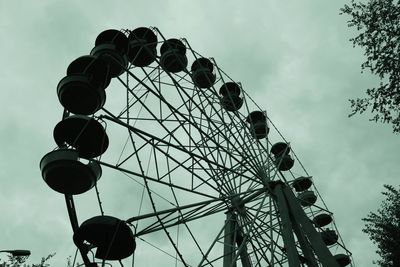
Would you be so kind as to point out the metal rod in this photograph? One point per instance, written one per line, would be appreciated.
(305, 246)
(214, 242)
(244, 255)
(229, 242)
(320, 249)
(152, 179)
(69, 200)
(182, 221)
(144, 216)
(287, 232)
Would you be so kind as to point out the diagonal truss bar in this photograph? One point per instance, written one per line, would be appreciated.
(174, 109)
(185, 213)
(153, 179)
(189, 216)
(180, 148)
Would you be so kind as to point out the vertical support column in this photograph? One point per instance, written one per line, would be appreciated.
(229, 240)
(287, 230)
(320, 249)
(305, 246)
(244, 256)
(69, 200)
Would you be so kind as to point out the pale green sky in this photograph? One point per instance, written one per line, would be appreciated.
(292, 57)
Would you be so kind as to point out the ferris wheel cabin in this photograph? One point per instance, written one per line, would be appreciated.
(203, 74)
(232, 101)
(142, 47)
(82, 90)
(173, 56)
(65, 173)
(111, 236)
(112, 46)
(85, 134)
(283, 160)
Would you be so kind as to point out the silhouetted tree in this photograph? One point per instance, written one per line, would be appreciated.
(17, 261)
(378, 24)
(43, 262)
(383, 228)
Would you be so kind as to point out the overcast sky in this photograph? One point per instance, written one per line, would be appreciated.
(293, 58)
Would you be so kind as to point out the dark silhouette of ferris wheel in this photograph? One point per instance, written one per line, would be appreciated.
(221, 185)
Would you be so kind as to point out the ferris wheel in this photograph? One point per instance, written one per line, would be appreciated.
(212, 180)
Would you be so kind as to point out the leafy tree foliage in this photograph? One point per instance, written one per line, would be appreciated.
(43, 261)
(17, 261)
(383, 228)
(378, 24)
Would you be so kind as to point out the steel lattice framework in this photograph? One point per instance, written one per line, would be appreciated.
(202, 167)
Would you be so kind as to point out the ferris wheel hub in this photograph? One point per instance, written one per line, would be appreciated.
(238, 205)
